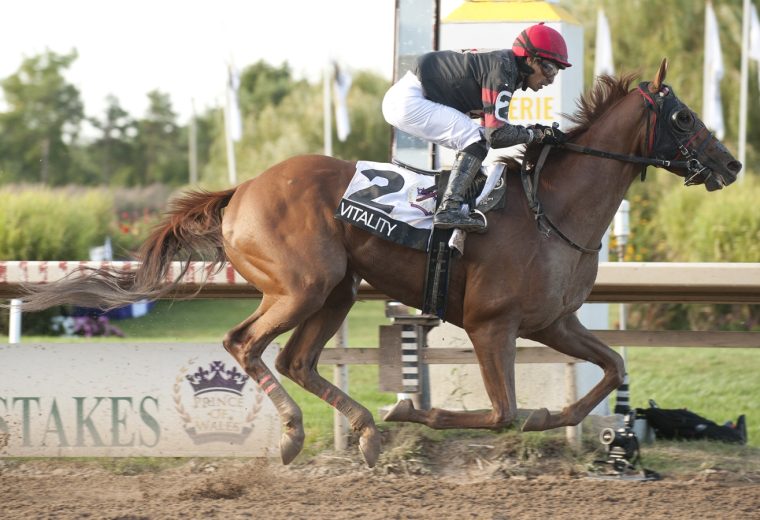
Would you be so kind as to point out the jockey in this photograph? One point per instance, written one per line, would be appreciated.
(437, 100)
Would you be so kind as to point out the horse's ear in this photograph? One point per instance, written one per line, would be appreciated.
(659, 78)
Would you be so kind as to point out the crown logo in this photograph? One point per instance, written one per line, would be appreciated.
(217, 379)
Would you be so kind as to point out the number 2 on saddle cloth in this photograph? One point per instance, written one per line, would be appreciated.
(396, 202)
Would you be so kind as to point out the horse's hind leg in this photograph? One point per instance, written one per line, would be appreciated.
(298, 361)
(247, 342)
(569, 336)
(239, 335)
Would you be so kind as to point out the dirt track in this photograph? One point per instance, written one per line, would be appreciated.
(329, 487)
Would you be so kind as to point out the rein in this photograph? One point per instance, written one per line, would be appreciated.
(530, 174)
(636, 159)
(529, 177)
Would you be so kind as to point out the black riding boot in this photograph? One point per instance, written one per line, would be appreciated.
(449, 214)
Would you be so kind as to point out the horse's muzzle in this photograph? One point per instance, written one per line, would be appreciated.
(722, 177)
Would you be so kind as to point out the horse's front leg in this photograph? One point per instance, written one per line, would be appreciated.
(569, 336)
(495, 349)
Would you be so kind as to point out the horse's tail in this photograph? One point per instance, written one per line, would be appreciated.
(191, 230)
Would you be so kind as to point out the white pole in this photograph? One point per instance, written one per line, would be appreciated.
(573, 434)
(340, 372)
(192, 148)
(743, 89)
(326, 107)
(621, 229)
(14, 326)
(231, 167)
(340, 377)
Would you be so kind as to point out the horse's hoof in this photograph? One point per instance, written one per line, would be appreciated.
(537, 421)
(401, 411)
(291, 444)
(369, 445)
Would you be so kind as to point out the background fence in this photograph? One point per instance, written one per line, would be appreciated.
(616, 282)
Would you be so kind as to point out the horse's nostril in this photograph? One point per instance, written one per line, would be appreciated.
(734, 166)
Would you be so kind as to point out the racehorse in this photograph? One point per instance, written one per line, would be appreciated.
(519, 280)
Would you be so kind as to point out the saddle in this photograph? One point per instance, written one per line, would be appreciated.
(440, 250)
(396, 202)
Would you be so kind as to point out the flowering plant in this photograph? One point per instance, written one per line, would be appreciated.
(87, 326)
(130, 229)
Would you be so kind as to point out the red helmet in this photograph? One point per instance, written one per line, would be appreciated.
(545, 42)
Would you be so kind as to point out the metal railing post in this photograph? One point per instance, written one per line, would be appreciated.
(14, 324)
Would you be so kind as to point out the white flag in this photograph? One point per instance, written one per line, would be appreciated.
(603, 61)
(234, 119)
(712, 109)
(341, 86)
(754, 39)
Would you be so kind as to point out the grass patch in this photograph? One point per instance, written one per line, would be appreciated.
(204, 320)
(718, 383)
(689, 457)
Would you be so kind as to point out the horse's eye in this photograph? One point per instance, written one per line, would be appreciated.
(683, 120)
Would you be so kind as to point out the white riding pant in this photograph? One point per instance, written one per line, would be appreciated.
(406, 108)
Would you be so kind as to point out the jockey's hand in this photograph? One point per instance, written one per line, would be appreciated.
(554, 137)
(548, 135)
(538, 135)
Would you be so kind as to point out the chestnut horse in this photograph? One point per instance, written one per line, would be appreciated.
(278, 231)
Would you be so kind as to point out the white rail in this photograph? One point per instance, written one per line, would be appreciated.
(616, 282)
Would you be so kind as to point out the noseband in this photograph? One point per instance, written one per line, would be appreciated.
(668, 127)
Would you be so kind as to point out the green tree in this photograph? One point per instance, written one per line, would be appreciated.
(208, 125)
(42, 121)
(113, 151)
(262, 84)
(161, 144)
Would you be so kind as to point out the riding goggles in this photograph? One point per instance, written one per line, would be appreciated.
(549, 68)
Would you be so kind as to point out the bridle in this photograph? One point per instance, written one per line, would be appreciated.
(673, 134)
(670, 133)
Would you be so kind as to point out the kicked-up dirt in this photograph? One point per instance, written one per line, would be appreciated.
(478, 477)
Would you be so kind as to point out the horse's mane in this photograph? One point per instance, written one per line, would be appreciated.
(605, 93)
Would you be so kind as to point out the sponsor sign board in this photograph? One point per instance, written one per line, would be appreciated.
(122, 399)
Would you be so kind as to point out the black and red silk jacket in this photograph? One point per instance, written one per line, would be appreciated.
(479, 84)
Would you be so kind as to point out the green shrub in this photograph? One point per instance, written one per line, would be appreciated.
(712, 227)
(676, 224)
(645, 243)
(39, 223)
(136, 200)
